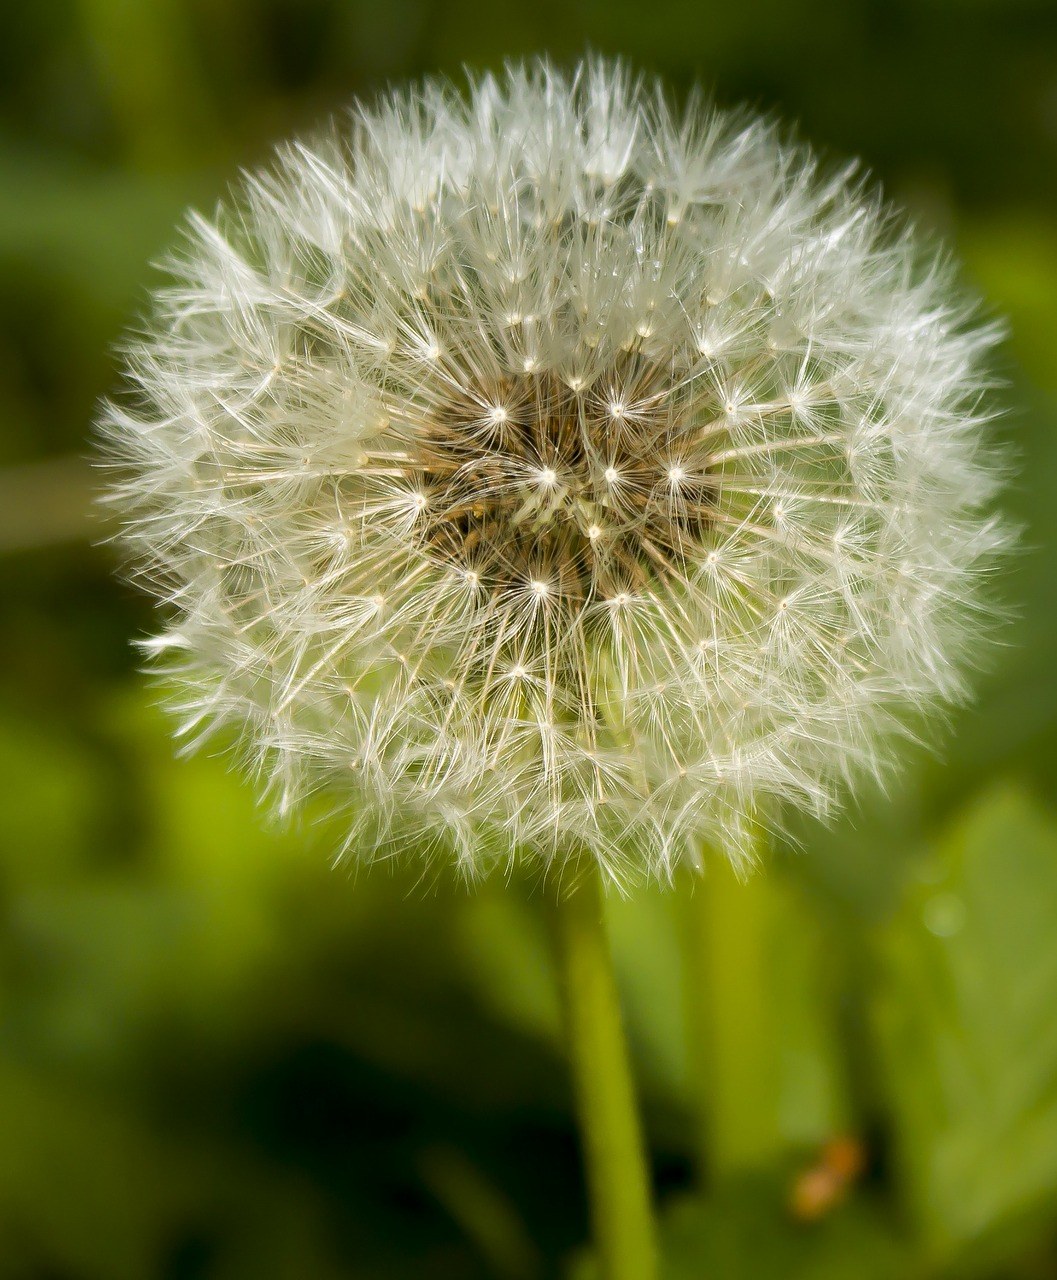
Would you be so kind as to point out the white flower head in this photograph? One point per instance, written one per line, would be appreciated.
(545, 470)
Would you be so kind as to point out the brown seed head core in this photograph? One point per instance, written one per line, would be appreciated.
(579, 492)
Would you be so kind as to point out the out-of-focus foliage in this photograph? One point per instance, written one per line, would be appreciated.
(965, 1012)
(221, 1058)
(743, 1232)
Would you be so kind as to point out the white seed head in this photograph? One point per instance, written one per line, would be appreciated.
(545, 470)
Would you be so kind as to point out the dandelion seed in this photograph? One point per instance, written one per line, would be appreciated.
(399, 466)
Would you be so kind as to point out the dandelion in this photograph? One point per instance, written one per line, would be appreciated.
(546, 472)
(551, 471)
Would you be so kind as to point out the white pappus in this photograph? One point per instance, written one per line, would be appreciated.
(543, 470)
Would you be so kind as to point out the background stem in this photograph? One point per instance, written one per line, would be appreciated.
(617, 1177)
(730, 1017)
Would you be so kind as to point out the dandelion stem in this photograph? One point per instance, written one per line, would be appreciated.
(730, 1020)
(617, 1177)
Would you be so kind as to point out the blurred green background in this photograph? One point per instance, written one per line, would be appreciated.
(219, 1058)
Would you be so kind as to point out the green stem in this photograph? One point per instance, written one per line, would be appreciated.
(730, 1020)
(617, 1178)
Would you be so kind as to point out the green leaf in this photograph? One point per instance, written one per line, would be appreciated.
(747, 1233)
(965, 1013)
(750, 1236)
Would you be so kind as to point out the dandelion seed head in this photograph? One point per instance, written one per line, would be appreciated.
(542, 470)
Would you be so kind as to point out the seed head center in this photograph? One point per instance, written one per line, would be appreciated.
(587, 489)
